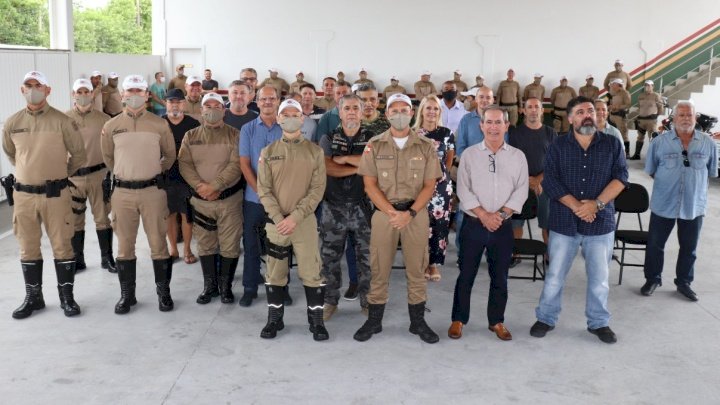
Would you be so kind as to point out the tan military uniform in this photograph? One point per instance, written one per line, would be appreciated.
(325, 103)
(178, 82)
(460, 85)
(618, 75)
(38, 143)
(591, 92)
(295, 86)
(423, 89)
(618, 106)
(112, 101)
(280, 84)
(89, 186)
(390, 90)
(559, 97)
(210, 155)
(364, 81)
(291, 182)
(508, 96)
(98, 99)
(400, 174)
(138, 148)
(534, 90)
(193, 109)
(649, 106)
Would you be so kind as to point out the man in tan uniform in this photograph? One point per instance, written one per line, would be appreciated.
(424, 87)
(393, 88)
(96, 80)
(209, 163)
(38, 140)
(508, 96)
(589, 90)
(291, 183)
(618, 106)
(364, 78)
(193, 98)
(327, 101)
(87, 182)
(274, 80)
(112, 102)
(650, 104)
(461, 85)
(618, 73)
(559, 98)
(138, 147)
(400, 170)
(178, 82)
(299, 81)
(535, 89)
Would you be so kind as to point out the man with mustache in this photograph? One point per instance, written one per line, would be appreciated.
(584, 172)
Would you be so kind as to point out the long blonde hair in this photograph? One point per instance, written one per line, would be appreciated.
(420, 119)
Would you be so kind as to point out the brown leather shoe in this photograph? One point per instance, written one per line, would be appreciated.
(455, 331)
(501, 331)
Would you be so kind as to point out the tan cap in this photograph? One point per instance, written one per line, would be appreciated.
(34, 74)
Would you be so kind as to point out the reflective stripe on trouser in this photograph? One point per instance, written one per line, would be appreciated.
(560, 122)
(304, 241)
(31, 211)
(338, 221)
(228, 216)
(90, 187)
(619, 123)
(645, 127)
(129, 206)
(383, 245)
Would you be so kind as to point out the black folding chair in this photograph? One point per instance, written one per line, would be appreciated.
(530, 249)
(633, 200)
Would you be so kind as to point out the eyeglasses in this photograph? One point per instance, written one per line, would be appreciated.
(492, 163)
(686, 161)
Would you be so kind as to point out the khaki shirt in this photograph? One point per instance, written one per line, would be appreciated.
(38, 143)
(210, 155)
(137, 147)
(178, 82)
(91, 124)
(461, 85)
(401, 173)
(280, 84)
(295, 86)
(193, 109)
(617, 75)
(534, 90)
(508, 92)
(423, 89)
(390, 90)
(591, 92)
(112, 101)
(291, 178)
(649, 104)
(560, 96)
(325, 103)
(620, 100)
(98, 99)
(364, 81)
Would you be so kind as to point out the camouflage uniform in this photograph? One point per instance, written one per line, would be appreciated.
(375, 127)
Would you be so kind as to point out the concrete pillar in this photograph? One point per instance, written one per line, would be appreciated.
(62, 34)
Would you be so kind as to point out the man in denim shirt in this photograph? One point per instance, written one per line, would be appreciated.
(584, 172)
(680, 161)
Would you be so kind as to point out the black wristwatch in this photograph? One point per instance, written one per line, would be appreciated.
(412, 212)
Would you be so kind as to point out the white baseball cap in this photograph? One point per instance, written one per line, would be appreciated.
(563, 78)
(398, 97)
(617, 81)
(193, 79)
(618, 61)
(113, 75)
(34, 74)
(354, 87)
(299, 72)
(394, 78)
(95, 73)
(272, 69)
(362, 69)
(426, 73)
(134, 82)
(588, 77)
(212, 96)
(480, 77)
(289, 103)
(471, 92)
(650, 82)
(536, 75)
(458, 71)
(82, 83)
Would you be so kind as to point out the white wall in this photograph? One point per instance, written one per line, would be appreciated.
(123, 65)
(404, 37)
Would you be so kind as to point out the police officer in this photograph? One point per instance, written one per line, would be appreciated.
(650, 104)
(424, 87)
(193, 91)
(178, 82)
(461, 85)
(111, 99)
(618, 73)
(508, 96)
(393, 88)
(364, 78)
(346, 209)
(87, 182)
(37, 140)
(291, 182)
(209, 163)
(97, 83)
(618, 106)
(559, 97)
(400, 170)
(276, 81)
(299, 82)
(534, 89)
(327, 101)
(589, 90)
(138, 146)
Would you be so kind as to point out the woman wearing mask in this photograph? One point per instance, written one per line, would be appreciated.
(157, 93)
(428, 125)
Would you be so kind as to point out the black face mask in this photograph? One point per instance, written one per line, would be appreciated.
(449, 95)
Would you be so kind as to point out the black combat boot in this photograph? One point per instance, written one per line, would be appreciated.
(287, 299)
(373, 324)
(418, 325)
(627, 150)
(78, 247)
(210, 280)
(126, 270)
(227, 274)
(638, 148)
(105, 237)
(163, 274)
(32, 273)
(276, 310)
(65, 271)
(315, 297)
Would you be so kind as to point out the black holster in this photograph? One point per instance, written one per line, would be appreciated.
(277, 251)
(8, 182)
(161, 181)
(107, 188)
(53, 188)
(189, 211)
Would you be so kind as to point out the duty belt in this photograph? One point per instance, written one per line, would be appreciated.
(403, 206)
(84, 171)
(620, 113)
(648, 117)
(508, 104)
(135, 185)
(51, 188)
(225, 194)
(560, 108)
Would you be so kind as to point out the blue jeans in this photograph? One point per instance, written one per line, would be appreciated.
(253, 219)
(562, 250)
(688, 233)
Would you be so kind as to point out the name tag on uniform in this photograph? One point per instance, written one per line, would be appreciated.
(271, 158)
(416, 158)
(119, 131)
(381, 157)
(17, 131)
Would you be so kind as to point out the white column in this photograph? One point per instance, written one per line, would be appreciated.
(62, 34)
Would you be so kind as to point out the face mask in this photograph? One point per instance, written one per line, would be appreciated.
(449, 95)
(162, 79)
(399, 121)
(83, 100)
(34, 96)
(212, 116)
(135, 102)
(291, 124)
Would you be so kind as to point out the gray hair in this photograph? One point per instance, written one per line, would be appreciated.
(684, 103)
(347, 98)
(495, 107)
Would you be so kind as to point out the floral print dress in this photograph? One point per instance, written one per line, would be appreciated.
(439, 206)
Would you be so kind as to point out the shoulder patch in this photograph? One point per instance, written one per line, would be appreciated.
(368, 148)
(19, 130)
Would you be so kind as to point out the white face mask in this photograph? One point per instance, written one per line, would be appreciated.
(291, 124)
(34, 96)
(399, 121)
(83, 100)
(135, 102)
(162, 79)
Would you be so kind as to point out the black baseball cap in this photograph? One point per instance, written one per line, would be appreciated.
(175, 94)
